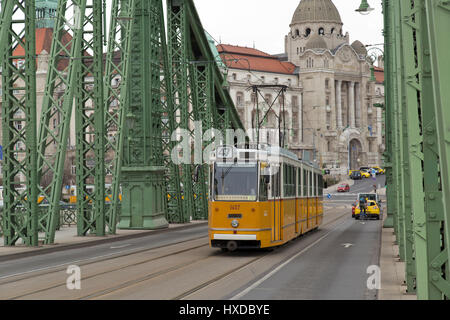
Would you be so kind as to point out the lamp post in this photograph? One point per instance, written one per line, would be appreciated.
(364, 8)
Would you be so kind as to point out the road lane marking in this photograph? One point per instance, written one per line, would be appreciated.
(270, 274)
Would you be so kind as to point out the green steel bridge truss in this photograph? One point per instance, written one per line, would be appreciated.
(131, 102)
(418, 140)
(126, 103)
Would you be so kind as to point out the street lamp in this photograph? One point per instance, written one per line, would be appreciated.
(364, 8)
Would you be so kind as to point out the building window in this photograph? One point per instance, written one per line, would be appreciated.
(327, 83)
(234, 76)
(307, 32)
(328, 119)
(263, 79)
(321, 31)
(239, 98)
(276, 80)
(294, 102)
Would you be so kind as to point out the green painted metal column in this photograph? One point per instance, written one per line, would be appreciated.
(391, 191)
(398, 130)
(202, 75)
(57, 107)
(90, 127)
(116, 96)
(427, 223)
(143, 171)
(178, 57)
(438, 23)
(20, 210)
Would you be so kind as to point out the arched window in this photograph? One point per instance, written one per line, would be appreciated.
(321, 31)
(297, 32)
(307, 32)
(332, 30)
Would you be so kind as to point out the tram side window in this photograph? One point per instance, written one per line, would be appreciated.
(316, 184)
(263, 190)
(320, 186)
(276, 184)
(289, 181)
(310, 184)
(305, 183)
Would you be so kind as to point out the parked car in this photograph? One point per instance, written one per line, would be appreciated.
(372, 211)
(379, 170)
(365, 174)
(344, 187)
(356, 175)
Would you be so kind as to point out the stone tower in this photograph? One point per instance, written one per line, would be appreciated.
(314, 19)
(46, 13)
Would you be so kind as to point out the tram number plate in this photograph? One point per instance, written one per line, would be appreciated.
(235, 216)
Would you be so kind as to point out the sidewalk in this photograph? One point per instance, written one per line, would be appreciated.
(66, 238)
(392, 270)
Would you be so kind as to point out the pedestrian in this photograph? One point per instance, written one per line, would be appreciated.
(362, 207)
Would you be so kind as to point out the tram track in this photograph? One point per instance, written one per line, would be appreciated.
(123, 267)
(128, 284)
(114, 255)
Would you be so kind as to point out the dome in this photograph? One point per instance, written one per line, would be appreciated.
(316, 11)
(359, 48)
(316, 42)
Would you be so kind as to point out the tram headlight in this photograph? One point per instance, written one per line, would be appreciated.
(235, 223)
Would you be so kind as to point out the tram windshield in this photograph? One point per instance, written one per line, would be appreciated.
(235, 182)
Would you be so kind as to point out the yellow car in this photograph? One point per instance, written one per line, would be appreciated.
(372, 211)
(350, 172)
(365, 174)
(380, 170)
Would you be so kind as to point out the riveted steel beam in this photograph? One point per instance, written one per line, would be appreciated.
(18, 50)
(116, 97)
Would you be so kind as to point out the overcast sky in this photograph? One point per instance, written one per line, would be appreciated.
(266, 22)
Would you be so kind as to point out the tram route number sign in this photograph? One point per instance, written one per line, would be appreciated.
(225, 152)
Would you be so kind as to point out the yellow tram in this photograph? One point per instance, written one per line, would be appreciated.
(261, 198)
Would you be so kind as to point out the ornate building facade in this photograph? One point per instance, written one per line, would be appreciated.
(335, 120)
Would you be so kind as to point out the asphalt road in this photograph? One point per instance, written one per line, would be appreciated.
(47, 261)
(334, 267)
(329, 263)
